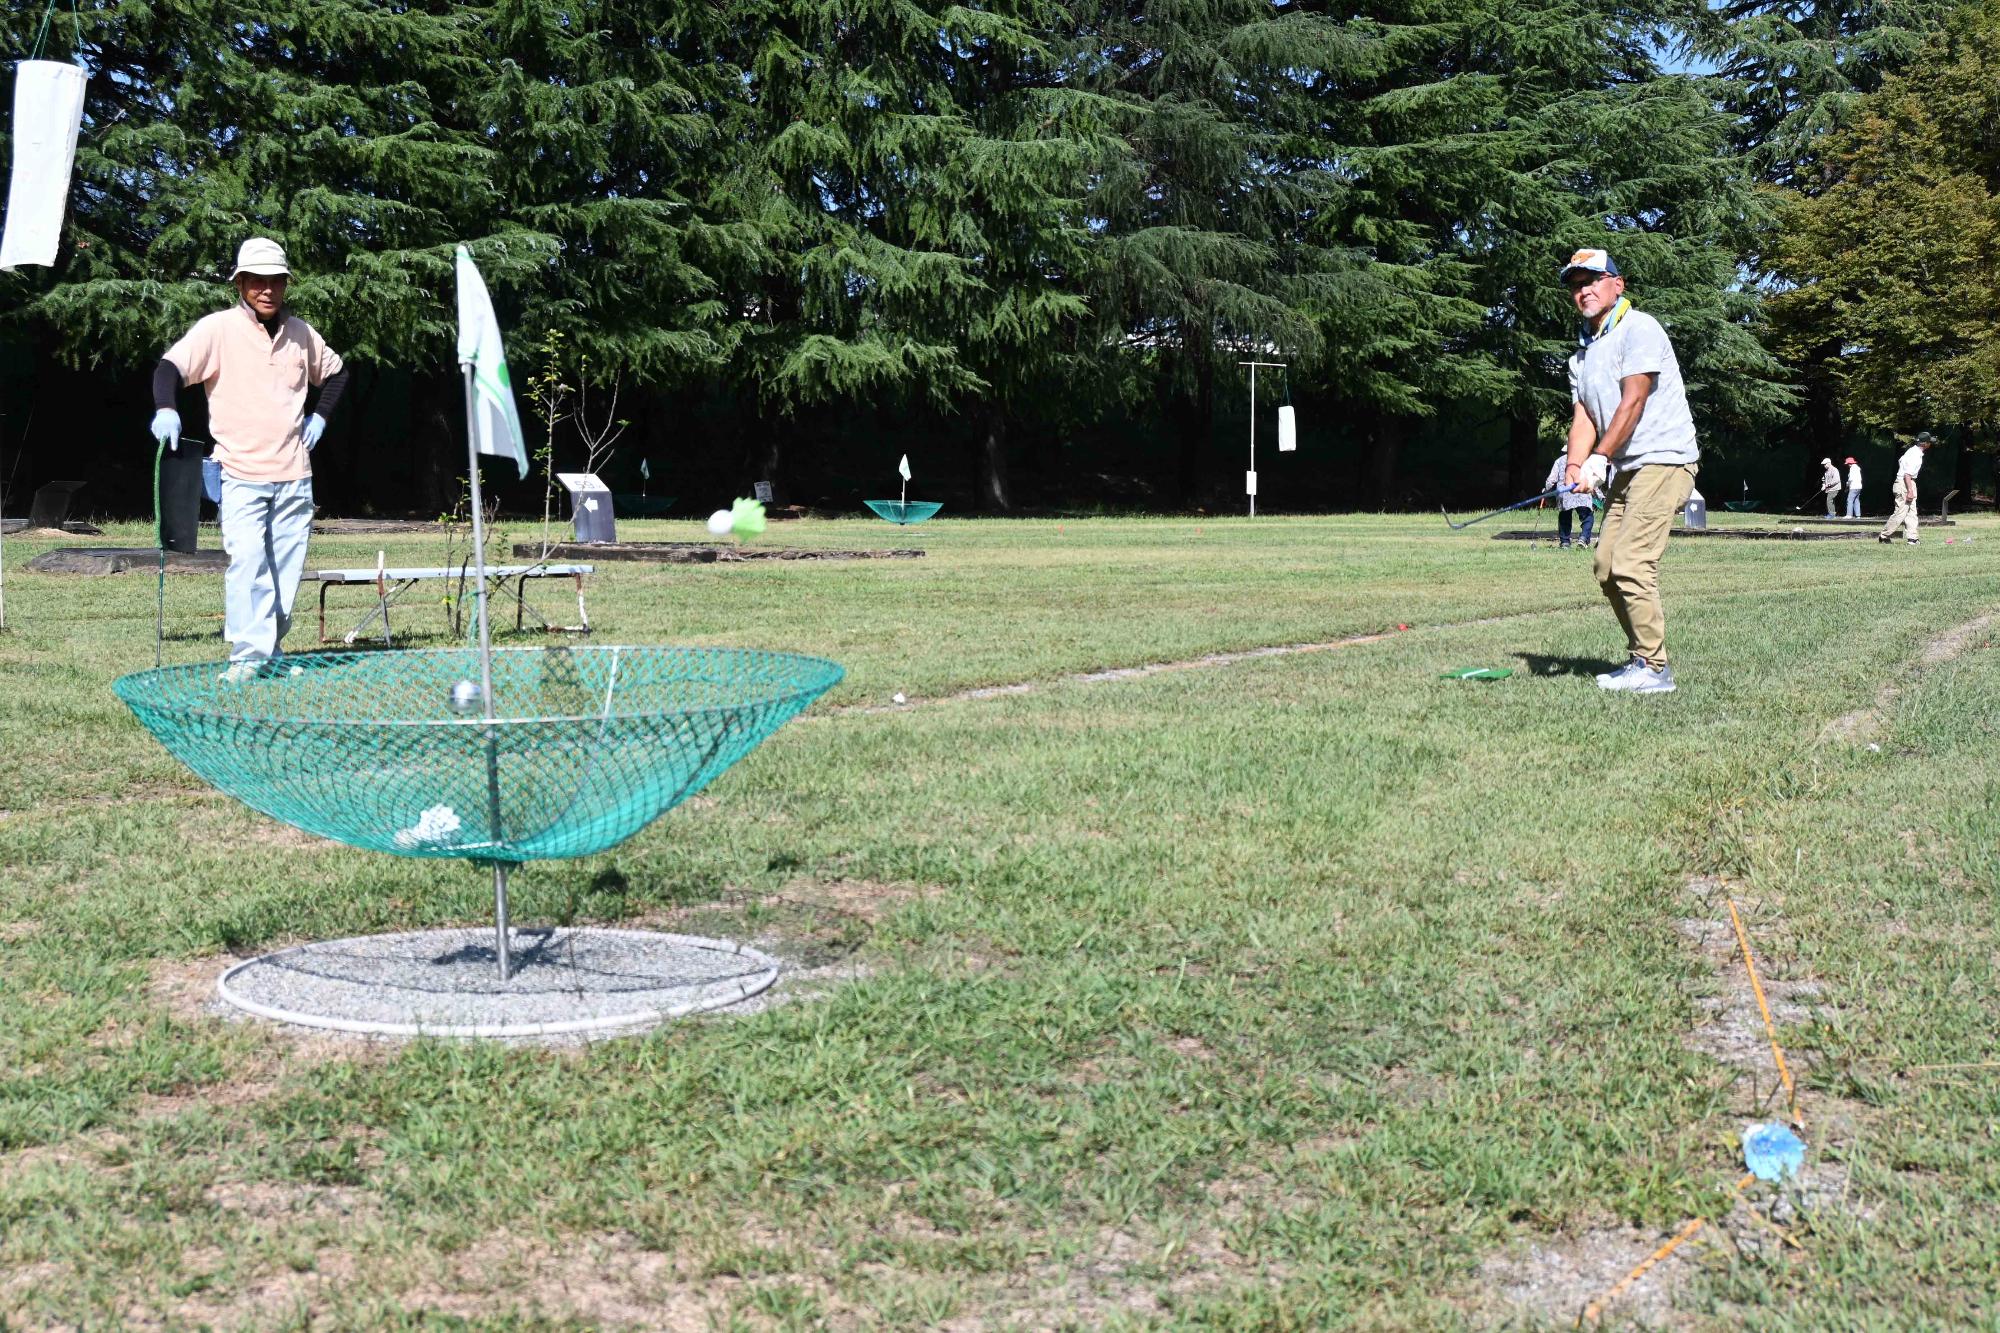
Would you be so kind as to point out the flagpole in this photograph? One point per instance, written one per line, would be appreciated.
(500, 944)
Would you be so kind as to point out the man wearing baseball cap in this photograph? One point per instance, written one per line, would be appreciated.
(1631, 412)
(256, 361)
(1907, 468)
(1829, 483)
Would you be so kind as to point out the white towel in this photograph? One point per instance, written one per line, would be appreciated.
(48, 110)
(1288, 429)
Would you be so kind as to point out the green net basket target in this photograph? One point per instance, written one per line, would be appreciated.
(904, 512)
(390, 751)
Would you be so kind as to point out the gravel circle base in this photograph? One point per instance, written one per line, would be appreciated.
(446, 983)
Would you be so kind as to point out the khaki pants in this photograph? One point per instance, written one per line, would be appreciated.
(1905, 515)
(1638, 515)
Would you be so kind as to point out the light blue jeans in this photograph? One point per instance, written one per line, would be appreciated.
(1854, 503)
(265, 525)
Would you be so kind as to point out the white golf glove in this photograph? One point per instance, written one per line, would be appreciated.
(314, 428)
(1594, 474)
(167, 428)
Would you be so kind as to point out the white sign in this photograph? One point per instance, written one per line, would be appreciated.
(582, 483)
(1288, 429)
(1249, 483)
(761, 491)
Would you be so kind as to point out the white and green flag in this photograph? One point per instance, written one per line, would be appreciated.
(495, 425)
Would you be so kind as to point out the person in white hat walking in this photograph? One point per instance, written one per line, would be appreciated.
(1829, 483)
(256, 361)
(1631, 410)
(1907, 468)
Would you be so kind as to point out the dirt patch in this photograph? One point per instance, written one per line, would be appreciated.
(185, 987)
(603, 1281)
(1865, 724)
(11, 931)
(267, 1200)
(871, 900)
(273, 834)
(1731, 1027)
(1131, 1272)
(1558, 1278)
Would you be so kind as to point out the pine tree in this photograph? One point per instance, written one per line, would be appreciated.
(208, 121)
(1794, 72)
(1492, 141)
(1897, 259)
(1203, 252)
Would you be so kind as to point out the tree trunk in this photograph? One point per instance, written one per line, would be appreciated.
(1524, 462)
(1386, 443)
(993, 463)
(1195, 413)
(1824, 426)
(767, 456)
(442, 423)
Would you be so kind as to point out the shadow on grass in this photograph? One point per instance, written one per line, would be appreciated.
(1540, 664)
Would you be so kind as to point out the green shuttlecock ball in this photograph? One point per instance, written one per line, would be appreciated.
(746, 518)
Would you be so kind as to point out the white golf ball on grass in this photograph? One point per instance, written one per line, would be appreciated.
(720, 522)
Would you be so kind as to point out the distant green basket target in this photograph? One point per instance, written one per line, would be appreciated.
(904, 512)
(588, 745)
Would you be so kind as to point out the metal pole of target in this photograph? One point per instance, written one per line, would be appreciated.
(1250, 477)
(500, 945)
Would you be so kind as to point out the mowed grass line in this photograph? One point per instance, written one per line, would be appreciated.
(1282, 991)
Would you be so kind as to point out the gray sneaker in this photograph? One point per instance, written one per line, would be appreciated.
(1635, 677)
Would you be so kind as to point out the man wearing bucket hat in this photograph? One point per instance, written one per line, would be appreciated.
(1907, 468)
(256, 361)
(1853, 488)
(1829, 483)
(1631, 412)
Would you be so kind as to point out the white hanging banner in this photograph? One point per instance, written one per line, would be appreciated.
(1249, 483)
(1288, 429)
(48, 111)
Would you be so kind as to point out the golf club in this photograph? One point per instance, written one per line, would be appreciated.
(1533, 499)
(159, 538)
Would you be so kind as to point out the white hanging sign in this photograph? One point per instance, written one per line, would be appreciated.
(1288, 429)
(1250, 483)
(48, 111)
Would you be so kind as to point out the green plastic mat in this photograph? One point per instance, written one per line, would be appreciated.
(904, 512)
(1479, 673)
(389, 751)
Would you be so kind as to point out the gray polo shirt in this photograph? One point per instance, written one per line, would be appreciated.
(1637, 346)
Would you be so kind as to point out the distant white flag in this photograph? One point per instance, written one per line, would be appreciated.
(645, 471)
(495, 425)
(903, 467)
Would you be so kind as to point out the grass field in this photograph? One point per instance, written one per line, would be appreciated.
(1293, 991)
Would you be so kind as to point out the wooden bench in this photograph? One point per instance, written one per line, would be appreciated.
(503, 580)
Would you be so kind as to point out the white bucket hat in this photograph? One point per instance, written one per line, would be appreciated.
(260, 255)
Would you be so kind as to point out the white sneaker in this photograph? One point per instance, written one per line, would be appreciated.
(1635, 677)
(238, 672)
